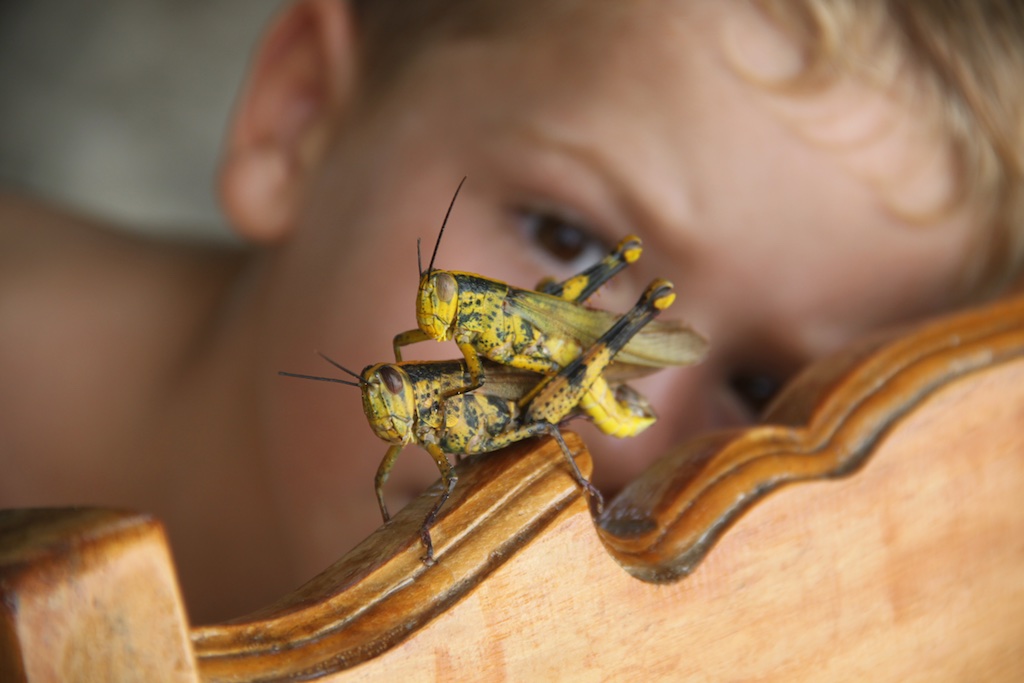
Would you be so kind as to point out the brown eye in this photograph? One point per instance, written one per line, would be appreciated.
(562, 240)
(446, 286)
(755, 390)
(392, 380)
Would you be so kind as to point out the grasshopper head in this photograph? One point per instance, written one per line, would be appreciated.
(438, 304)
(389, 402)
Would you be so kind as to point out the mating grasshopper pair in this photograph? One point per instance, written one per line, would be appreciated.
(532, 359)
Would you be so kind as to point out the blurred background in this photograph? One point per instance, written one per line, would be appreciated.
(118, 107)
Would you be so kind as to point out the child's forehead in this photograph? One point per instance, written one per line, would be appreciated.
(614, 45)
(575, 30)
(583, 49)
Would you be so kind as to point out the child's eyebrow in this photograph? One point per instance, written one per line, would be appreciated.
(647, 200)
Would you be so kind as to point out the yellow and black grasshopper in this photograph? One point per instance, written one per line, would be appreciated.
(543, 331)
(416, 402)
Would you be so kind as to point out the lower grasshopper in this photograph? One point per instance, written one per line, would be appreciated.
(543, 331)
(411, 402)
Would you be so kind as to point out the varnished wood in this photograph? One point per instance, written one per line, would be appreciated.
(899, 557)
(827, 424)
(89, 595)
(381, 593)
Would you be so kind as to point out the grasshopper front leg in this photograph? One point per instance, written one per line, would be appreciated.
(448, 481)
(406, 338)
(383, 471)
(475, 370)
(473, 365)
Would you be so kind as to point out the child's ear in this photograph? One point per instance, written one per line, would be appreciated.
(300, 81)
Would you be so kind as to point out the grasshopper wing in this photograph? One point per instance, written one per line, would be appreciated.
(661, 343)
(507, 382)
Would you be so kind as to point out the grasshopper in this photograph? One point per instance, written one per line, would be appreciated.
(413, 402)
(543, 331)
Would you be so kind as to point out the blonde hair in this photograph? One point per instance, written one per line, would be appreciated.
(969, 57)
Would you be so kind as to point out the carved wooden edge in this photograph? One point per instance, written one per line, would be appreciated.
(381, 593)
(658, 529)
(89, 595)
(826, 425)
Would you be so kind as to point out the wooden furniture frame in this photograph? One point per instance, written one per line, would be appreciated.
(900, 556)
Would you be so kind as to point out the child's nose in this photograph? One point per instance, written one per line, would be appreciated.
(688, 401)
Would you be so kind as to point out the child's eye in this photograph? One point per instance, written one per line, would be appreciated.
(563, 240)
(755, 390)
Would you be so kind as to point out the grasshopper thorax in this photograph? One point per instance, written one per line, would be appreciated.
(438, 304)
(389, 402)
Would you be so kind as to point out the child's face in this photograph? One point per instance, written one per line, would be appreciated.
(762, 208)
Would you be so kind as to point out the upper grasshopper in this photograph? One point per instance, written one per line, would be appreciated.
(413, 402)
(543, 331)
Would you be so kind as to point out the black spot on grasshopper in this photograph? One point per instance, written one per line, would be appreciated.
(473, 317)
(471, 418)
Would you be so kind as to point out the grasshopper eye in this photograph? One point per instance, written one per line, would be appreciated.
(392, 380)
(446, 287)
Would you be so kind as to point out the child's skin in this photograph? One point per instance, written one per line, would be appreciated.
(146, 376)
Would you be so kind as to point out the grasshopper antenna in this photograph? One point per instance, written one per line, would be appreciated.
(437, 244)
(318, 378)
(419, 261)
(341, 367)
(336, 364)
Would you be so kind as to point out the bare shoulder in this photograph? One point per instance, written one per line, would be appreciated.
(50, 263)
(90, 318)
(31, 235)
(39, 241)
(58, 270)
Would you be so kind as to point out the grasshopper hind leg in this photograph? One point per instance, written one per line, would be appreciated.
(619, 416)
(559, 394)
(542, 428)
(595, 497)
(618, 411)
(580, 287)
